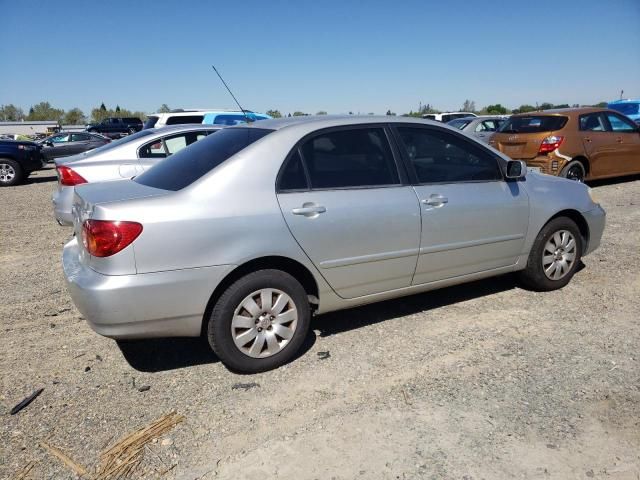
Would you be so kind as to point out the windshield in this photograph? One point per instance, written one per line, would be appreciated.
(189, 164)
(117, 143)
(628, 108)
(534, 124)
(460, 123)
(151, 122)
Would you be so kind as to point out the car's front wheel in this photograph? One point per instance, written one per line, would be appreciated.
(554, 257)
(10, 172)
(260, 321)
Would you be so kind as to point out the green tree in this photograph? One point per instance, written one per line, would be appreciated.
(390, 113)
(44, 111)
(11, 113)
(562, 105)
(103, 107)
(601, 105)
(321, 112)
(545, 106)
(75, 116)
(496, 109)
(299, 114)
(117, 108)
(274, 113)
(164, 108)
(524, 109)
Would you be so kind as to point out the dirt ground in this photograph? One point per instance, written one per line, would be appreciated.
(480, 381)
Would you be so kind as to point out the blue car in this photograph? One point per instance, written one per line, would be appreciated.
(630, 108)
(232, 118)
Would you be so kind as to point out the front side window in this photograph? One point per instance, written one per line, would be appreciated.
(487, 126)
(188, 165)
(620, 124)
(80, 137)
(60, 138)
(153, 149)
(440, 157)
(592, 122)
(350, 158)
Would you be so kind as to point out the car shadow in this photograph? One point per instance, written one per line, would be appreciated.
(612, 181)
(344, 320)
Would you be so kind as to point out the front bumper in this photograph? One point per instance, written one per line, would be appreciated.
(161, 304)
(62, 200)
(596, 220)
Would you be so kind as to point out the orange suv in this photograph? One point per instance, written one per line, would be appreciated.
(576, 143)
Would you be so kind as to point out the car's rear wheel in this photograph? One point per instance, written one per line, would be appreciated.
(260, 321)
(10, 172)
(574, 171)
(554, 257)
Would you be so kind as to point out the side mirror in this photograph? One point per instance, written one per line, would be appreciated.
(49, 144)
(516, 170)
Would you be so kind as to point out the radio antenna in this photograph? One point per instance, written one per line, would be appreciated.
(244, 112)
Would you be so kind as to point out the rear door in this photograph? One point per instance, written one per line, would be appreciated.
(343, 198)
(472, 220)
(627, 143)
(79, 143)
(599, 144)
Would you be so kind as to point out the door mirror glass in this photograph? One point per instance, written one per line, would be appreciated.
(516, 169)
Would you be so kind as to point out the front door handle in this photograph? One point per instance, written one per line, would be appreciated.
(309, 209)
(587, 139)
(435, 200)
(619, 139)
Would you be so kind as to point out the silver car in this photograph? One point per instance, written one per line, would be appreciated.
(244, 235)
(124, 158)
(480, 127)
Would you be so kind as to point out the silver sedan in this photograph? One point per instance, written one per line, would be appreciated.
(482, 128)
(124, 158)
(244, 235)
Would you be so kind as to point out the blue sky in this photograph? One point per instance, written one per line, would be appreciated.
(336, 56)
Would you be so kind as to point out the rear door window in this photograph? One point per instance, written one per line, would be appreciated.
(80, 137)
(182, 119)
(188, 165)
(350, 158)
(441, 157)
(592, 122)
(153, 149)
(534, 124)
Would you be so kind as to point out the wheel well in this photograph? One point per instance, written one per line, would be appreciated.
(292, 267)
(585, 162)
(580, 222)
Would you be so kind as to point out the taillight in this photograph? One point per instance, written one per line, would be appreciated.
(550, 143)
(69, 177)
(103, 238)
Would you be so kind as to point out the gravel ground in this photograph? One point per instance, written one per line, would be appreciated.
(484, 380)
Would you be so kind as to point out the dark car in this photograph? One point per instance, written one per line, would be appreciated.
(17, 160)
(115, 127)
(65, 143)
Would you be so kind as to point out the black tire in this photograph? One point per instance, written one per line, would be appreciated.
(533, 276)
(11, 173)
(574, 171)
(219, 327)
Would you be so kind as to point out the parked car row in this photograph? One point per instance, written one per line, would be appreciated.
(251, 215)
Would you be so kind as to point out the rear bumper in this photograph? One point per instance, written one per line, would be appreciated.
(596, 220)
(162, 304)
(62, 200)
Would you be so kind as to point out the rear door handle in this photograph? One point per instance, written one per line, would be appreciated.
(619, 139)
(435, 200)
(309, 210)
(587, 139)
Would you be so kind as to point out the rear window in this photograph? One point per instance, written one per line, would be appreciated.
(182, 119)
(460, 124)
(626, 108)
(151, 122)
(188, 165)
(534, 124)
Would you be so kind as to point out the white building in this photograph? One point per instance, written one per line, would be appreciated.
(28, 127)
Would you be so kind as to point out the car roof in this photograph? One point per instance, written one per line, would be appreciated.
(561, 111)
(316, 122)
(186, 126)
(185, 113)
(626, 100)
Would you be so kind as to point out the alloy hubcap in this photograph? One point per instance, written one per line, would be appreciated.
(559, 255)
(7, 173)
(264, 323)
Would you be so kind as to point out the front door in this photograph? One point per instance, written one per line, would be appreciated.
(472, 220)
(341, 196)
(627, 143)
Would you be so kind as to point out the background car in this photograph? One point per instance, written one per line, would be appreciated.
(243, 235)
(232, 118)
(629, 107)
(447, 116)
(480, 127)
(17, 160)
(220, 117)
(116, 127)
(576, 143)
(65, 144)
(120, 159)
